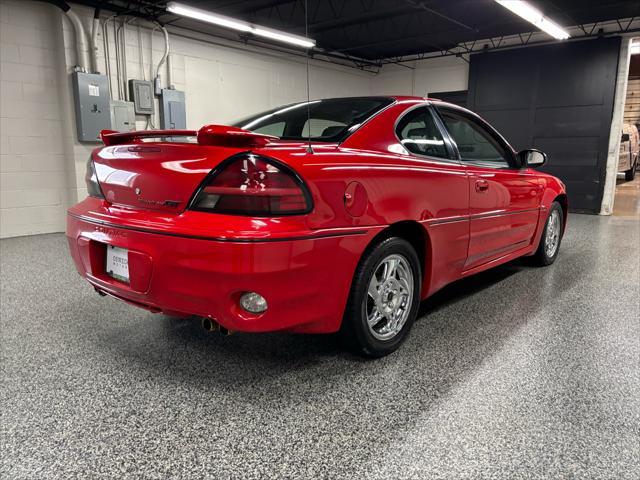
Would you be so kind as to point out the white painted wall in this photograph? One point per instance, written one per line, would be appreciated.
(230, 84)
(441, 74)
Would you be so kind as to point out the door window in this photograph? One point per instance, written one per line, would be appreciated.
(475, 143)
(419, 134)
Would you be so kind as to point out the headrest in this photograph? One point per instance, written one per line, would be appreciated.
(331, 131)
(417, 133)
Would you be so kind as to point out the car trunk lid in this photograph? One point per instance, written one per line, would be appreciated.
(160, 170)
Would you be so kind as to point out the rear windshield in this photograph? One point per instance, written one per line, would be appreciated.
(330, 120)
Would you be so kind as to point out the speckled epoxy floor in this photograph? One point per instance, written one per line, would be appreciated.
(520, 372)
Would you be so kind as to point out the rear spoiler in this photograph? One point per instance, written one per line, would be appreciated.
(209, 135)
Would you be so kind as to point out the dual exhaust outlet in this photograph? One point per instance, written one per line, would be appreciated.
(208, 325)
(211, 326)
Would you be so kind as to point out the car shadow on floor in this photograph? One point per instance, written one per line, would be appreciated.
(186, 351)
(470, 286)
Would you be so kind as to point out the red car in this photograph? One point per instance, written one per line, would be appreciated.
(337, 214)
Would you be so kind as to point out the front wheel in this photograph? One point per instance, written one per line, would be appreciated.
(551, 236)
(384, 298)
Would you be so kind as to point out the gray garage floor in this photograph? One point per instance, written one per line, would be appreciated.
(517, 373)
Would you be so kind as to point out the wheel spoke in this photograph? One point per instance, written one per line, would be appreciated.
(404, 285)
(396, 317)
(375, 317)
(390, 269)
(373, 290)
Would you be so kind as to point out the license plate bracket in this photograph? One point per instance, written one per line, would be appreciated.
(117, 263)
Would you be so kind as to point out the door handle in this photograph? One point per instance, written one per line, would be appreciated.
(482, 185)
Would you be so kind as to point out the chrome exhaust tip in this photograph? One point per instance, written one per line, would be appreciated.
(209, 325)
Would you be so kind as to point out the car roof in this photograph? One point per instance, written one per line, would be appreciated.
(405, 98)
(416, 98)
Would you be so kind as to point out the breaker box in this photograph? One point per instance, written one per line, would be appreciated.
(172, 109)
(91, 102)
(141, 92)
(123, 117)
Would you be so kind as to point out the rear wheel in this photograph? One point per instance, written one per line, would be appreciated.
(551, 236)
(384, 298)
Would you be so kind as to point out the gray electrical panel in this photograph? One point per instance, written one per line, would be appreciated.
(172, 109)
(123, 117)
(91, 102)
(141, 92)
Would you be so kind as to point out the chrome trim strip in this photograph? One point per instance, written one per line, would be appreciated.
(477, 216)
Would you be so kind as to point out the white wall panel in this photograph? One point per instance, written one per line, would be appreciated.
(439, 74)
(201, 76)
(33, 164)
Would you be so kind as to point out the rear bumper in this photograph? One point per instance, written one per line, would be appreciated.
(305, 281)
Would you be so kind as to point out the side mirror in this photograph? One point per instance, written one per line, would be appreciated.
(532, 158)
(625, 137)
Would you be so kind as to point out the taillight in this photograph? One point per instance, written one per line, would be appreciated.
(93, 187)
(249, 184)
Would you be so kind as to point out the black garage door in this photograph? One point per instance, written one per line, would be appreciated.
(558, 98)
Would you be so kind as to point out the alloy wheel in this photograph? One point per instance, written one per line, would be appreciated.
(552, 237)
(389, 297)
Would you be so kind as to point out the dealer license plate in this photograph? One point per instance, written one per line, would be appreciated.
(117, 265)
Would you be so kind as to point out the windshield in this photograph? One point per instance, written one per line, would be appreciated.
(330, 120)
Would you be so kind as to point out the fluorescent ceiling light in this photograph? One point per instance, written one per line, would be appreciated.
(533, 15)
(635, 48)
(203, 15)
(283, 37)
(228, 22)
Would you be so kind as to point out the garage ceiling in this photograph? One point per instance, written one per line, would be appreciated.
(383, 29)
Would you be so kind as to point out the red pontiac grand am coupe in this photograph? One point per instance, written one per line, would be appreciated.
(337, 214)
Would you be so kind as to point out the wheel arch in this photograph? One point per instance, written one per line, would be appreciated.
(563, 200)
(414, 233)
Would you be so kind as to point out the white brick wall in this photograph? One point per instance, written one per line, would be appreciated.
(33, 167)
(41, 162)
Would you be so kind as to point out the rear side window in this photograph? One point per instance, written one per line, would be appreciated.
(330, 120)
(475, 143)
(419, 134)
(275, 128)
(322, 128)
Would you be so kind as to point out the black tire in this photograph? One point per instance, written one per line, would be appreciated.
(631, 173)
(542, 256)
(355, 328)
